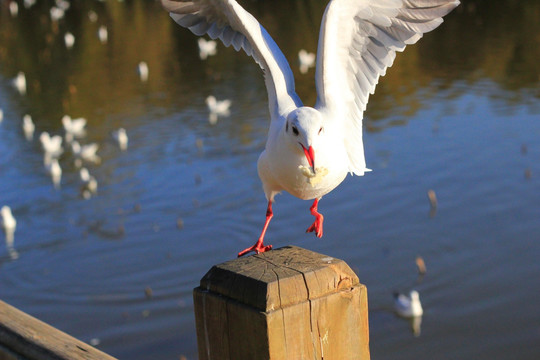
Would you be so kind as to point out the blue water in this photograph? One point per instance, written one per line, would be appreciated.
(118, 270)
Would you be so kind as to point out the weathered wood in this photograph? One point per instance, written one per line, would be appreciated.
(289, 303)
(23, 337)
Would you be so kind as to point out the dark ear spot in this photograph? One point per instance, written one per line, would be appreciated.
(320, 130)
(287, 127)
(295, 130)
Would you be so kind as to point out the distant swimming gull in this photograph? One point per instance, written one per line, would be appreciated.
(306, 60)
(310, 150)
(87, 152)
(142, 68)
(217, 108)
(52, 146)
(69, 40)
(121, 138)
(408, 306)
(206, 48)
(103, 34)
(19, 82)
(55, 171)
(28, 127)
(74, 128)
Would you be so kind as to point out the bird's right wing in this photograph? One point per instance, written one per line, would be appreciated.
(228, 21)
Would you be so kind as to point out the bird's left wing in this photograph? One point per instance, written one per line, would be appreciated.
(357, 43)
(228, 21)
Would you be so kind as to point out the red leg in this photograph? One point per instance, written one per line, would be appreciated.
(259, 246)
(317, 225)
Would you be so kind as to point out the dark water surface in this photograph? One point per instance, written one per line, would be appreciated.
(458, 113)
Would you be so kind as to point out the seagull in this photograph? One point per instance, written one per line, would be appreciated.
(7, 220)
(103, 34)
(217, 108)
(69, 39)
(86, 152)
(56, 13)
(8, 223)
(19, 82)
(121, 138)
(13, 8)
(52, 146)
(1, 115)
(74, 128)
(142, 68)
(206, 48)
(55, 171)
(306, 60)
(408, 306)
(90, 184)
(310, 150)
(28, 127)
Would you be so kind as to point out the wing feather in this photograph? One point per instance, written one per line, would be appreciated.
(228, 21)
(358, 42)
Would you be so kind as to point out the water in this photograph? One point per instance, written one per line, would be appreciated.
(458, 113)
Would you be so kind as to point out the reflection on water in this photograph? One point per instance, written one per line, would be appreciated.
(457, 114)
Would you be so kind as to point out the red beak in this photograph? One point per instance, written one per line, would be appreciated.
(310, 156)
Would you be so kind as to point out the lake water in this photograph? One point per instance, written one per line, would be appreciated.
(458, 113)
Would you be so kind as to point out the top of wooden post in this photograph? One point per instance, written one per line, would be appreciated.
(279, 278)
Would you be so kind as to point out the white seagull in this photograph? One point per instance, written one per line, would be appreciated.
(103, 34)
(19, 82)
(90, 184)
(28, 127)
(1, 115)
(306, 60)
(74, 128)
(9, 224)
(52, 146)
(217, 108)
(142, 69)
(121, 138)
(55, 172)
(310, 150)
(206, 48)
(408, 306)
(86, 152)
(69, 40)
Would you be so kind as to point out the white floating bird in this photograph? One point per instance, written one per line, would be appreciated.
(28, 127)
(9, 224)
(121, 138)
(310, 150)
(56, 13)
(74, 128)
(86, 152)
(69, 40)
(13, 8)
(217, 108)
(142, 68)
(408, 306)
(55, 172)
(29, 3)
(52, 146)
(103, 34)
(19, 82)
(90, 184)
(1, 115)
(206, 48)
(306, 60)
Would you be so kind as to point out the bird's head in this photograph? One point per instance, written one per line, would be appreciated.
(303, 129)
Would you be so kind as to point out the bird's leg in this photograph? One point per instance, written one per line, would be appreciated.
(259, 246)
(317, 225)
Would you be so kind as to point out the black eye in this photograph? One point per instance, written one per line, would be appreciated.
(295, 131)
(320, 130)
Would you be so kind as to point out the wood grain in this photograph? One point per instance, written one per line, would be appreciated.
(289, 303)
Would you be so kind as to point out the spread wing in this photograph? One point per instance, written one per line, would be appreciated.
(358, 41)
(228, 21)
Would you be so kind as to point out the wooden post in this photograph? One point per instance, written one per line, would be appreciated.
(285, 304)
(23, 337)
